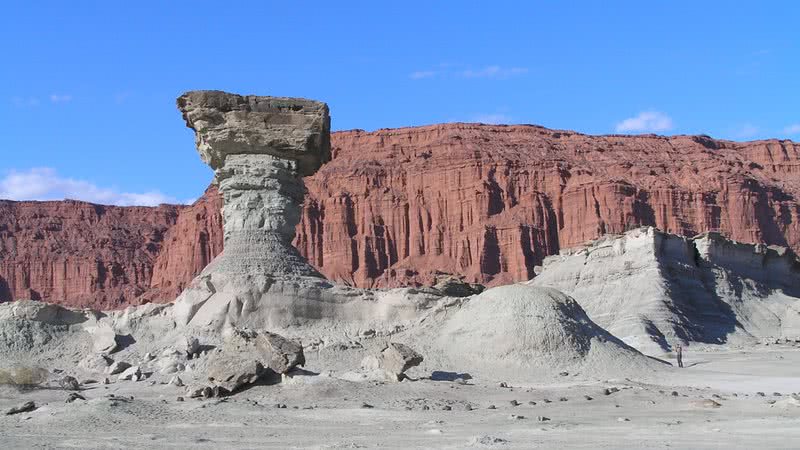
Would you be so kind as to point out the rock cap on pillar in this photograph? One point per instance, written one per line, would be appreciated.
(230, 124)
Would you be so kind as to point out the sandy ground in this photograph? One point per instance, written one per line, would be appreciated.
(325, 412)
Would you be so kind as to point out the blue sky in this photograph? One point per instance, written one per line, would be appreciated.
(87, 89)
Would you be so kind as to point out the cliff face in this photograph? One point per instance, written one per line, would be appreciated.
(488, 202)
(79, 254)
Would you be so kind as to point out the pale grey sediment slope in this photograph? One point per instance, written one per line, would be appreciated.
(653, 289)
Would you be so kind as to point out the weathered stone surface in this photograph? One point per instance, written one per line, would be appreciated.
(117, 367)
(394, 206)
(259, 147)
(95, 362)
(69, 383)
(397, 358)
(133, 373)
(74, 396)
(286, 128)
(456, 287)
(188, 345)
(391, 363)
(248, 355)
(25, 407)
(232, 371)
(653, 289)
(104, 339)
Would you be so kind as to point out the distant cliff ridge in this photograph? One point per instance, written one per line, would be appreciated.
(396, 206)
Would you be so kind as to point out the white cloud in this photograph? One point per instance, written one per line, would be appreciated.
(23, 102)
(496, 118)
(646, 121)
(792, 129)
(60, 98)
(420, 74)
(447, 69)
(44, 183)
(493, 72)
(746, 131)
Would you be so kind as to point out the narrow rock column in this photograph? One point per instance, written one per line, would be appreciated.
(259, 148)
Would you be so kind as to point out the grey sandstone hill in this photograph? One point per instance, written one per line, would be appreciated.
(654, 289)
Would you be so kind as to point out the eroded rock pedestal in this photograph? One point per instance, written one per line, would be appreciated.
(259, 148)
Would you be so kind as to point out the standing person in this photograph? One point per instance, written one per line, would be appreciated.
(679, 354)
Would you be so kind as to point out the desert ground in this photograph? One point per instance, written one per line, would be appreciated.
(716, 401)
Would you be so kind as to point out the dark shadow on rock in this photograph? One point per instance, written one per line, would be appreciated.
(439, 375)
(206, 348)
(270, 378)
(124, 341)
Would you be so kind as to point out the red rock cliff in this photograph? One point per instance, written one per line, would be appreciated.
(488, 202)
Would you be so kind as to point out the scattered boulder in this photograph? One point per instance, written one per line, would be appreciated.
(232, 371)
(25, 407)
(452, 286)
(74, 396)
(706, 403)
(69, 383)
(486, 441)
(188, 345)
(104, 339)
(95, 362)
(133, 373)
(397, 358)
(248, 355)
(106, 381)
(393, 361)
(117, 367)
(199, 391)
(171, 364)
(176, 381)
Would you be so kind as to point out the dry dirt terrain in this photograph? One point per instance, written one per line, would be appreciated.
(327, 412)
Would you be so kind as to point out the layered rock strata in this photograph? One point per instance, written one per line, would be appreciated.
(259, 147)
(394, 207)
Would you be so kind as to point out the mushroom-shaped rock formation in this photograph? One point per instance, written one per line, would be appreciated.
(260, 148)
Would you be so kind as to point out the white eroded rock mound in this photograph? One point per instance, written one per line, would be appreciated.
(529, 331)
(654, 289)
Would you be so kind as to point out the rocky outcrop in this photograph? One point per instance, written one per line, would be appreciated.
(259, 148)
(654, 290)
(399, 206)
(248, 355)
